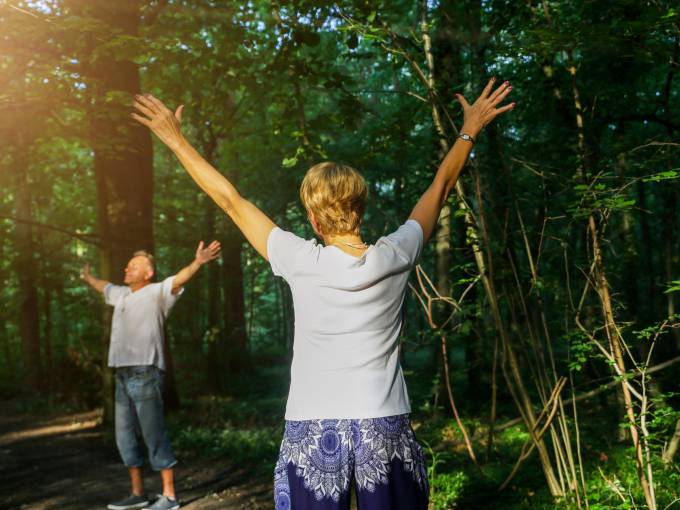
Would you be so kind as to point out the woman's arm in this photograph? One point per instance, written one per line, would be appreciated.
(254, 224)
(476, 116)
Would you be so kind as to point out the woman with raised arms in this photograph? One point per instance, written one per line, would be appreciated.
(347, 416)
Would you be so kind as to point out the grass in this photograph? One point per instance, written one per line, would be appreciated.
(246, 427)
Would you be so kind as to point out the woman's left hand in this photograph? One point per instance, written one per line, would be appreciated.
(484, 110)
(159, 119)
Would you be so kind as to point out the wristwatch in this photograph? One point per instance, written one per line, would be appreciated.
(466, 137)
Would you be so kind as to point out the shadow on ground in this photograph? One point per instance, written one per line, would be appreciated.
(69, 462)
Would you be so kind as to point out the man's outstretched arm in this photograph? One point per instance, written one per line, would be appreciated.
(203, 256)
(95, 283)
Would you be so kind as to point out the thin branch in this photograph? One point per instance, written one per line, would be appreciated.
(87, 238)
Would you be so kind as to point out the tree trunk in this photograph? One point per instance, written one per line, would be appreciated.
(214, 334)
(442, 234)
(287, 316)
(234, 348)
(25, 265)
(647, 303)
(122, 157)
(170, 393)
(672, 448)
(514, 378)
(611, 328)
(669, 235)
(47, 335)
(630, 253)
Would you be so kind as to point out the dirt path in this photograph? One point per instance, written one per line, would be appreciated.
(68, 462)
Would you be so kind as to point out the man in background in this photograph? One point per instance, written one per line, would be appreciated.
(136, 353)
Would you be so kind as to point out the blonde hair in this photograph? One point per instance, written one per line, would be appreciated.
(147, 256)
(336, 195)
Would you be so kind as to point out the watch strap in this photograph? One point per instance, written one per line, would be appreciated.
(466, 137)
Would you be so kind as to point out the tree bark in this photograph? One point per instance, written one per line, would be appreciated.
(235, 346)
(672, 448)
(122, 157)
(26, 269)
(514, 378)
(214, 334)
(612, 331)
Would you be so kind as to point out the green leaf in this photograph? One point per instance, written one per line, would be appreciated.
(663, 176)
(289, 162)
(673, 287)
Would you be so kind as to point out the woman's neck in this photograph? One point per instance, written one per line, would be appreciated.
(349, 243)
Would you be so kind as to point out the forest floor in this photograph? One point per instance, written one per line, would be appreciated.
(69, 461)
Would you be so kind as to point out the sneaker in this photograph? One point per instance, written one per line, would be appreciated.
(131, 501)
(163, 503)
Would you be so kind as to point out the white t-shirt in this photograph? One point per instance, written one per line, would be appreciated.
(137, 326)
(347, 324)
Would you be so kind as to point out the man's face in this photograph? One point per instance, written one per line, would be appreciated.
(138, 270)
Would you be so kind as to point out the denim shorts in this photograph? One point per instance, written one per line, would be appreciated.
(139, 417)
(319, 459)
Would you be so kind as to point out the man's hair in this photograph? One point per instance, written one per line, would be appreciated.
(336, 195)
(148, 256)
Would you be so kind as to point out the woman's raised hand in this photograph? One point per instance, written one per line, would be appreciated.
(159, 119)
(484, 110)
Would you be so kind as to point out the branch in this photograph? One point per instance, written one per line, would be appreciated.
(594, 392)
(643, 117)
(87, 238)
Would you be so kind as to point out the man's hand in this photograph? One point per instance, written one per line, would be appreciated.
(205, 255)
(95, 283)
(484, 110)
(85, 273)
(159, 119)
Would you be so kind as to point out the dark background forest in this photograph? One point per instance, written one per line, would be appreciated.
(541, 342)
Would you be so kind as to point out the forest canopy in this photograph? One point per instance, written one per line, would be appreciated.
(541, 339)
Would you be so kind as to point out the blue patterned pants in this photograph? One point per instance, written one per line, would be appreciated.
(319, 459)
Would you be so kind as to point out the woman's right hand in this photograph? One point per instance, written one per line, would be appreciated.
(159, 119)
(483, 111)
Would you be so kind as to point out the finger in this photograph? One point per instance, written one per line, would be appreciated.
(503, 87)
(178, 112)
(141, 120)
(200, 245)
(503, 109)
(487, 89)
(215, 244)
(160, 107)
(463, 102)
(140, 107)
(501, 96)
(146, 102)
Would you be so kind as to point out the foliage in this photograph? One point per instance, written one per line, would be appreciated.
(272, 87)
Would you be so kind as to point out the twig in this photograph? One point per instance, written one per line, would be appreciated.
(466, 438)
(531, 443)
